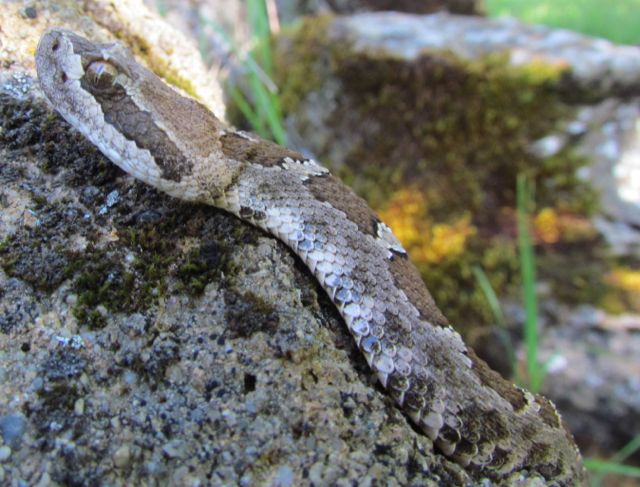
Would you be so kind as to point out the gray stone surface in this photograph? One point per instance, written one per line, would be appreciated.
(593, 63)
(594, 376)
(607, 134)
(158, 45)
(12, 428)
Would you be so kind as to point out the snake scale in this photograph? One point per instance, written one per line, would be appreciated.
(175, 144)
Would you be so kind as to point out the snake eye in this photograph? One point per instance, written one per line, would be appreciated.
(101, 74)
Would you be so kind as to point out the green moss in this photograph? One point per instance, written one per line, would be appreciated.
(247, 313)
(40, 200)
(136, 252)
(200, 266)
(107, 280)
(4, 244)
(36, 255)
(455, 288)
(576, 271)
(103, 285)
(459, 127)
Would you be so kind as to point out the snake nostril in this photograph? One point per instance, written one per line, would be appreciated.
(63, 77)
(55, 45)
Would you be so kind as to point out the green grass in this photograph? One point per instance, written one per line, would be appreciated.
(617, 20)
(526, 253)
(502, 328)
(601, 468)
(263, 100)
(161, 7)
(253, 92)
(535, 370)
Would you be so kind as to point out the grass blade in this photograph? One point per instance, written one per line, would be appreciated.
(496, 310)
(247, 111)
(527, 271)
(489, 294)
(604, 466)
(624, 453)
(257, 98)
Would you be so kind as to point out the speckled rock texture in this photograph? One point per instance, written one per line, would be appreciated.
(144, 341)
(591, 62)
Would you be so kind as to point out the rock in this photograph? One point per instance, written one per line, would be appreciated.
(12, 428)
(594, 378)
(122, 456)
(5, 453)
(284, 477)
(161, 47)
(197, 18)
(589, 62)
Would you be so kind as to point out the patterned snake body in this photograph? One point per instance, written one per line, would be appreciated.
(175, 144)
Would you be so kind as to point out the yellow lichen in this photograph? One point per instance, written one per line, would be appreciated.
(625, 279)
(426, 242)
(552, 226)
(546, 226)
(447, 240)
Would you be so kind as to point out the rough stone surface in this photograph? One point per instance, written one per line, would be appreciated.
(12, 428)
(163, 48)
(592, 63)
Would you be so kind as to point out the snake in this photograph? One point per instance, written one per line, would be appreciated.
(174, 143)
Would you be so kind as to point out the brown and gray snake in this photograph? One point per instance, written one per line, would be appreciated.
(175, 144)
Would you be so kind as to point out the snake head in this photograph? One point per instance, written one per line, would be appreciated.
(141, 124)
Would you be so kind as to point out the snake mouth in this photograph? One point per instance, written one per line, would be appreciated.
(59, 70)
